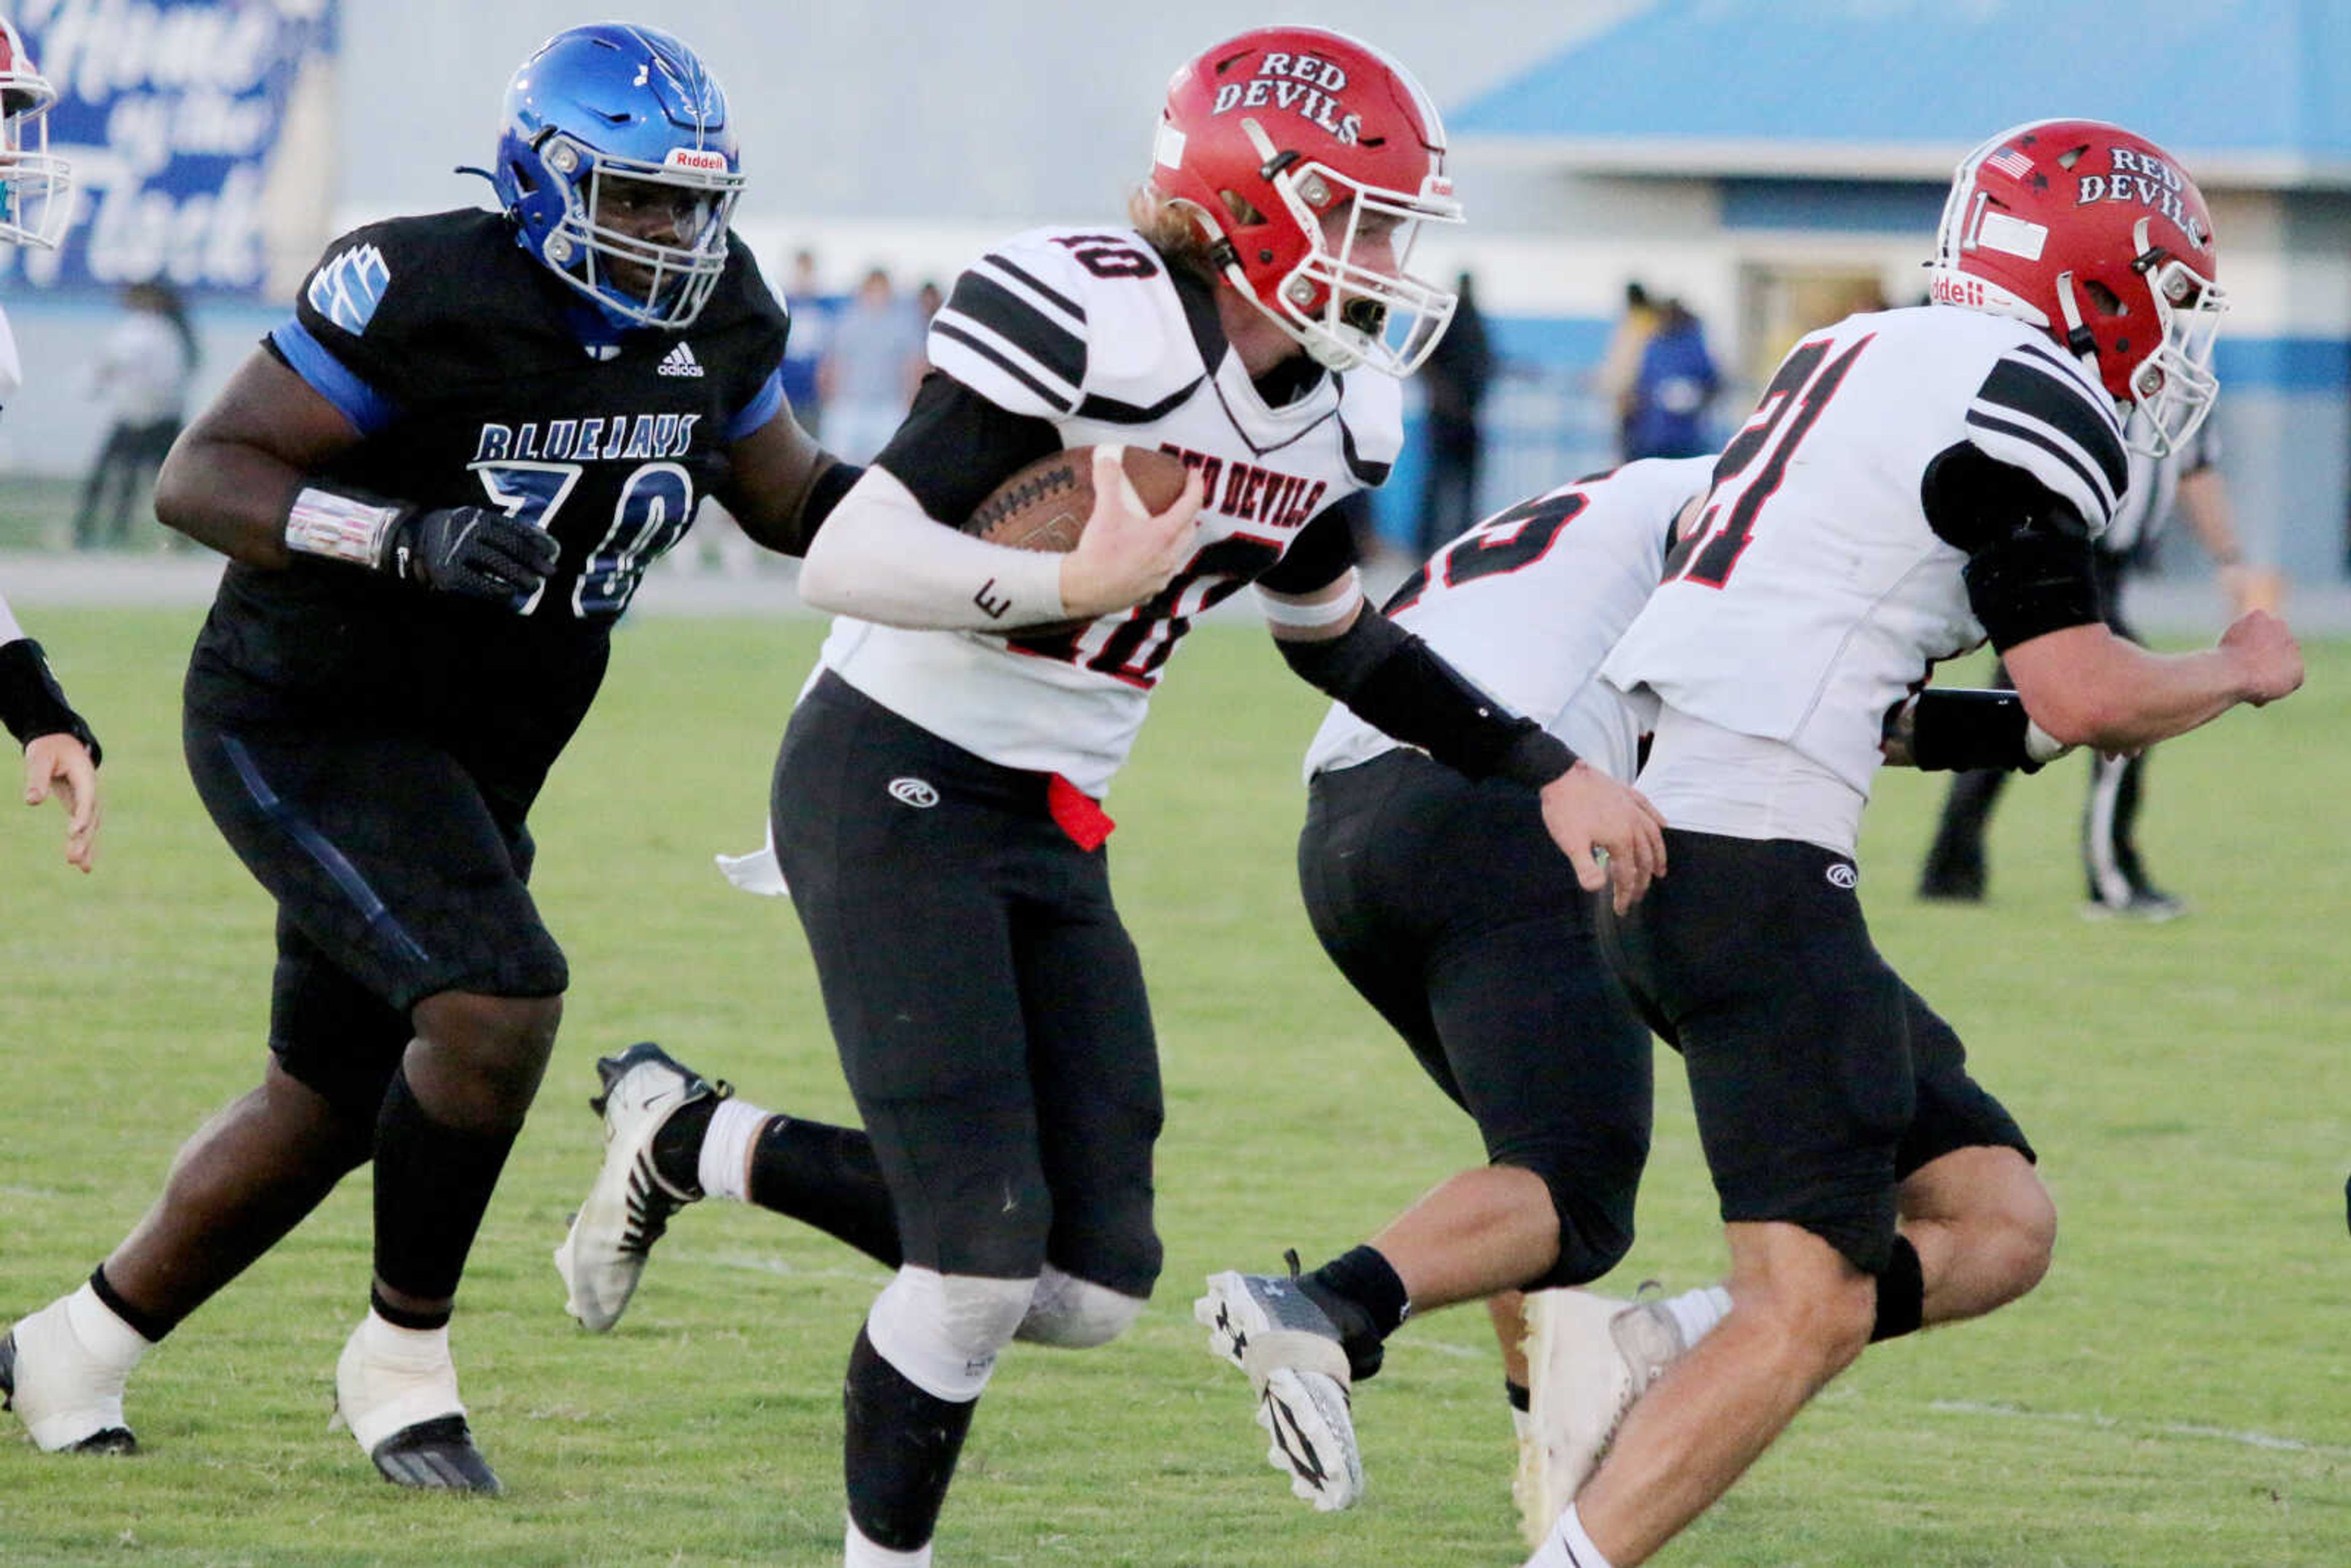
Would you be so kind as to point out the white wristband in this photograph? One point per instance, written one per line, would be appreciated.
(1308, 616)
(341, 527)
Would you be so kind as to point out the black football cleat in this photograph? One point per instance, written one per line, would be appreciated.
(436, 1456)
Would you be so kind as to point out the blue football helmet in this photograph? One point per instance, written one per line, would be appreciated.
(618, 163)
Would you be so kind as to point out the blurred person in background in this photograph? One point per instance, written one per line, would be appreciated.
(1674, 388)
(812, 311)
(438, 484)
(928, 300)
(143, 371)
(1620, 362)
(1454, 380)
(871, 365)
(2187, 480)
(61, 755)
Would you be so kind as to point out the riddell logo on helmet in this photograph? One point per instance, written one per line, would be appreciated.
(1303, 84)
(709, 163)
(1950, 290)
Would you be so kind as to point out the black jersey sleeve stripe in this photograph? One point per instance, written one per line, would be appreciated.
(1053, 346)
(2056, 449)
(1044, 291)
(2056, 401)
(1111, 411)
(1058, 400)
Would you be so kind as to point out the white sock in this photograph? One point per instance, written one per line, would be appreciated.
(108, 1340)
(1567, 1546)
(1696, 1312)
(724, 1168)
(1522, 1424)
(859, 1552)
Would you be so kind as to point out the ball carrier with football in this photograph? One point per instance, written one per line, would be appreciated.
(937, 805)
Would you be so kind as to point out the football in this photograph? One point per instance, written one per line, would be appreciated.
(1044, 506)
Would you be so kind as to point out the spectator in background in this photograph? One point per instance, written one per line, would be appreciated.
(1677, 382)
(1456, 374)
(870, 369)
(1620, 365)
(143, 371)
(927, 299)
(811, 312)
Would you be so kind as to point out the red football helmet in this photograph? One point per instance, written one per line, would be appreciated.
(36, 187)
(2099, 238)
(1310, 160)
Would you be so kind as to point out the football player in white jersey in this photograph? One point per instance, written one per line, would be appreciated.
(937, 803)
(1436, 896)
(61, 755)
(1912, 482)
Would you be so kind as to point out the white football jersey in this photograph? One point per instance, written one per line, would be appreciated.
(1527, 603)
(1813, 592)
(1086, 329)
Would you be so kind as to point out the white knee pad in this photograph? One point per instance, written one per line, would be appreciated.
(1076, 1314)
(943, 1330)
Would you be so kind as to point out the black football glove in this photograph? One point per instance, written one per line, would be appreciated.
(471, 550)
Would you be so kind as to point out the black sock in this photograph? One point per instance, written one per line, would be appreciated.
(900, 1450)
(1360, 1290)
(148, 1326)
(1521, 1396)
(1901, 1295)
(677, 1147)
(433, 1185)
(828, 1178)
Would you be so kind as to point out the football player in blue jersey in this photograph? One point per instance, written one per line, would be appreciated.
(61, 755)
(438, 484)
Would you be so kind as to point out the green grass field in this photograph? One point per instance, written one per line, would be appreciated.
(2178, 1393)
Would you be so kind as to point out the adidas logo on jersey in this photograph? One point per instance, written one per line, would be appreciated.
(680, 361)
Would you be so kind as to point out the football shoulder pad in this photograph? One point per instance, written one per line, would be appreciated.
(1054, 318)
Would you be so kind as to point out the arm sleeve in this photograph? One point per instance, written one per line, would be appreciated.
(32, 703)
(1320, 556)
(2029, 569)
(881, 557)
(1398, 683)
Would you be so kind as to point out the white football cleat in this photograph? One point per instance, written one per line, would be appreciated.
(396, 1389)
(603, 1255)
(1268, 1327)
(1589, 1357)
(62, 1370)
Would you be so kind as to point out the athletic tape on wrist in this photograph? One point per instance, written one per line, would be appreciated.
(1282, 612)
(341, 527)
